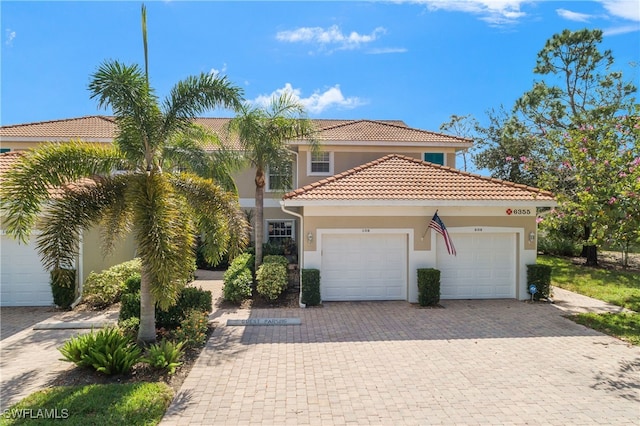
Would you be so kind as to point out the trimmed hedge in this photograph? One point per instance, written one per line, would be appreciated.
(540, 276)
(103, 289)
(238, 279)
(428, 286)
(63, 287)
(190, 298)
(311, 287)
(280, 260)
(272, 278)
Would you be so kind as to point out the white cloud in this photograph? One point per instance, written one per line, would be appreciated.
(317, 103)
(573, 16)
(385, 50)
(331, 38)
(494, 12)
(621, 30)
(626, 9)
(215, 71)
(10, 35)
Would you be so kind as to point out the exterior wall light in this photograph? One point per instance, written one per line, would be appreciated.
(532, 236)
(310, 237)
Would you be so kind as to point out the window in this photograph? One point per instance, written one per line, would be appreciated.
(3, 150)
(320, 163)
(434, 157)
(280, 230)
(280, 179)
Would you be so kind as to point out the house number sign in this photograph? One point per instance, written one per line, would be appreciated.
(518, 212)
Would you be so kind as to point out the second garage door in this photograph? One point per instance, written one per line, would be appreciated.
(484, 268)
(364, 267)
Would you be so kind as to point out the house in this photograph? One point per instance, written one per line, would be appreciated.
(362, 209)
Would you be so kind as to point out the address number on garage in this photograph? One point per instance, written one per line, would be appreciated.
(519, 212)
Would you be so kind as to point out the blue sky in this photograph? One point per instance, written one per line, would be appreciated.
(417, 61)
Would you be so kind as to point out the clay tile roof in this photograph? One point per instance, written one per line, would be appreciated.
(380, 131)
(397, 177)
(7, 160)
(87, 128)
(104, 128)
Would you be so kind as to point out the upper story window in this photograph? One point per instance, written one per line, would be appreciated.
(434, 157)
(3, 150)
(280, 179)
(320, 163)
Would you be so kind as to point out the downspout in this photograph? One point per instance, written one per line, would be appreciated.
(300, 249)
(80, 272)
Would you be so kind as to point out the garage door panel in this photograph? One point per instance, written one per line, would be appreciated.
(23, 280)
(364, 267)
(484, 267)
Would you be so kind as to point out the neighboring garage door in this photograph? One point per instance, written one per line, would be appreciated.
(484, 268)
(23, 281)
(364, 267)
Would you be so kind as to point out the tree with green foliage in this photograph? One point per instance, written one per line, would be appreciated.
(164, 208)
(263, 134)
(508, 149)
(580, 90)
(603, 161)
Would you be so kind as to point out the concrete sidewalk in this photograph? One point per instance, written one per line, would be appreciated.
(29, 358)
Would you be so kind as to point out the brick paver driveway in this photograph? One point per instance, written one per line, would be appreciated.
(391, 363)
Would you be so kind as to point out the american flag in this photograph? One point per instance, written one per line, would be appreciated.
(437, 225)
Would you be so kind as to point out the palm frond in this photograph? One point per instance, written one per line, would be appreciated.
(79, 207)
(195, 95)
(219, 218)
(32, 180)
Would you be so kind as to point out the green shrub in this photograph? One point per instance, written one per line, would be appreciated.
(165, 355)
(190, 298)
(103, 289)
(132, 284)
(130, 326)
(63, 287)
(129, 306)
(239, 288)
(192, 331)
(540, 276)
(108, 351)
(272, 280)
(311, 287)
(238, 279)
(428, 286)
(76, 348)
(280, 260)
(558, 246)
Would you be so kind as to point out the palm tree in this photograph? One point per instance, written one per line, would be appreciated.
(157, 197)
(263, 135)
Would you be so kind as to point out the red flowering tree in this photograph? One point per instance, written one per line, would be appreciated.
(602, 161)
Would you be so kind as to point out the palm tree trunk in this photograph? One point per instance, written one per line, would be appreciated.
(147, 331)
(259, 232)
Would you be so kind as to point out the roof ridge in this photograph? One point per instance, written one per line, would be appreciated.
(486, 178)
(389, 157)
(60, 120)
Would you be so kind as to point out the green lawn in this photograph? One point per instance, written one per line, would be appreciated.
(111, 404)
(617, 287)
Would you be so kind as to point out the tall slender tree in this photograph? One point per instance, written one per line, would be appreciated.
(263, 135)
(578, 88)
(163, 208)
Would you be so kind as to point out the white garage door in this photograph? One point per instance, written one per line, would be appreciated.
(364, 267)
(23, 281)
(484, 268)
